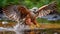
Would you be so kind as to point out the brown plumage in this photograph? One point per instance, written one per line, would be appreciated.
(17, 12)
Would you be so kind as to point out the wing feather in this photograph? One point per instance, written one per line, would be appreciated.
(46, 9)
(12, 13)
(16, 12)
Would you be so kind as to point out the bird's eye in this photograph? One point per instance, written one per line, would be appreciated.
(34, 9)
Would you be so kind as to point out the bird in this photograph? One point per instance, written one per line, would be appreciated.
(22, 13)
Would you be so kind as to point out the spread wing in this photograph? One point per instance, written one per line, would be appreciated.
(15, 12)
(46, 9)
(12, 13)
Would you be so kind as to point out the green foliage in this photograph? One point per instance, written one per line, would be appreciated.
(37, 3)
(29, 3)
(41, 20)
(4, 3)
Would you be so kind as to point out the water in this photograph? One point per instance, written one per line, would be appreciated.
(24, 29)
(52, 17)
(36, 31)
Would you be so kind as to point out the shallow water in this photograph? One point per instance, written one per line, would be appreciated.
(35, 31)
(24, 29)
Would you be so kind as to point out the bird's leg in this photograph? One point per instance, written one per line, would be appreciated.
(36, 23)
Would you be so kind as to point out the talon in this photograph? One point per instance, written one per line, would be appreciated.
(32, 26)
(37, 25)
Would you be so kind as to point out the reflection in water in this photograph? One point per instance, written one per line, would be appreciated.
(7, 32)
(43, 31)
(35, 31)
(32, 32)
